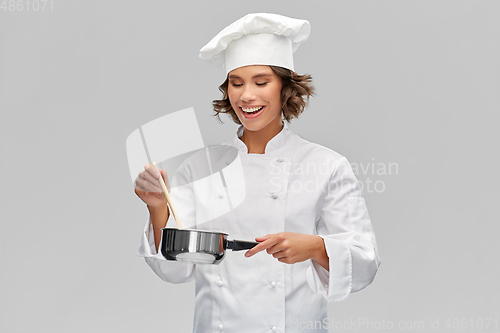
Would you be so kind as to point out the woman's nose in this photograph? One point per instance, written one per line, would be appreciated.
(247, 94)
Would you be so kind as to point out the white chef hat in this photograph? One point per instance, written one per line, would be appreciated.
(257, 39)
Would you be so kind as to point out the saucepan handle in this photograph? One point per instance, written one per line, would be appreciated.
(238, 245)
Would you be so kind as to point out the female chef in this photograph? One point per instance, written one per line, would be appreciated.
(302, 200)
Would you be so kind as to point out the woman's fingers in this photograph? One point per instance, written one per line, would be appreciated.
(263, 238)
(154, 174)
(261, 247)
(148, 179)
(150, 176)
(153, 171)
(148, 188)
(279, 247)
(287, 247)
(146, 185)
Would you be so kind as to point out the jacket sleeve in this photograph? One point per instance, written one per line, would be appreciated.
(349, 239)
(170, 271)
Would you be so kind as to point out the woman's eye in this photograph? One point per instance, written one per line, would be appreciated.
(237, 85)
(262, 84)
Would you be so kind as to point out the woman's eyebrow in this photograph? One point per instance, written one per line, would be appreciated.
(232, 76)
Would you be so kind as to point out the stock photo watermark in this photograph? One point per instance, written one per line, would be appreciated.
(373, 171)
(310, 177)
(27, 5)
(431, 324)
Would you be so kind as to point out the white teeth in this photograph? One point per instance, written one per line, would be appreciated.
(247, 110)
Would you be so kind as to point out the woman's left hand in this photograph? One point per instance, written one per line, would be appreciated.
(291, 247)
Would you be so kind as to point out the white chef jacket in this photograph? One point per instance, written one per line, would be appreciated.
(295, 186)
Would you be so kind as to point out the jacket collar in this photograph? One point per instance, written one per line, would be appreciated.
(273, 146)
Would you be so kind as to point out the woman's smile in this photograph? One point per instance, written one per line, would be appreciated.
(252, 112)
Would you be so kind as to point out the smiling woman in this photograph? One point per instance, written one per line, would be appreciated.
(316, 240)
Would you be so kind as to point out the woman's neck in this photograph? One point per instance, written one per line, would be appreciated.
(256, 141)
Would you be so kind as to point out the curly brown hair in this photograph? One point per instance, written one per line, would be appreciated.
(295, 88)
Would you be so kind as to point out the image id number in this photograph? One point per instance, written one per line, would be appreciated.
(471, 324)
(27, 5)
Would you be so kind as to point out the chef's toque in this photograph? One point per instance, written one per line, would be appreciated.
(257, 39)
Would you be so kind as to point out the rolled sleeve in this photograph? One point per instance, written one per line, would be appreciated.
(349, 239)
(147, 248)
(335, 284)
(170, 271)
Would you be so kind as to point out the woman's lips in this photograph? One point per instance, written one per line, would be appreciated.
(252, 115)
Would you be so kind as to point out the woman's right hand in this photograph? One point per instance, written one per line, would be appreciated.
(148, 188)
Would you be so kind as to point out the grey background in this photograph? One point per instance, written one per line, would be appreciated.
(409, 82)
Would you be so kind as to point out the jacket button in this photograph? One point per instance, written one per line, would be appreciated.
(273, 284)
(274, 328)
(219, 283)
(280, 159)
(221, 326)
(274, 196)
(221, 195)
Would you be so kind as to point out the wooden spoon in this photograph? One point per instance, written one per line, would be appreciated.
(169, 199)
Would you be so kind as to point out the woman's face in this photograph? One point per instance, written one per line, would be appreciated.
(255, 95)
